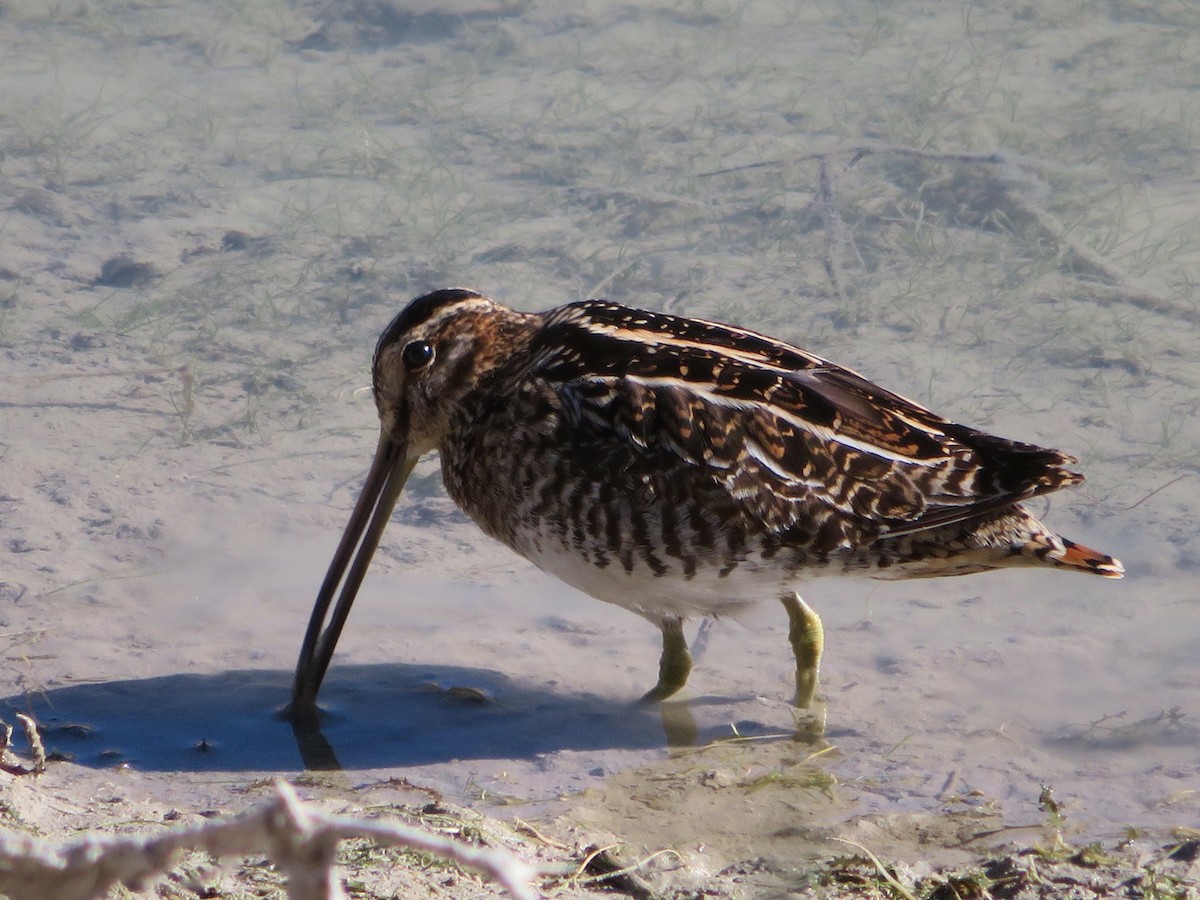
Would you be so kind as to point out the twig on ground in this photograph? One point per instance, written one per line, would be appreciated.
(300, 840)
(9, 761)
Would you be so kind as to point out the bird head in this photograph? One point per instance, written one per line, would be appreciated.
(430, 358)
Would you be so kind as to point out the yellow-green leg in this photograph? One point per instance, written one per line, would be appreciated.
(675, 664)
(808, 641)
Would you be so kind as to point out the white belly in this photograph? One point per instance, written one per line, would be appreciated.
(671, 594)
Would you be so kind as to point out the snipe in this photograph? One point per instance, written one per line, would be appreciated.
(678, 467)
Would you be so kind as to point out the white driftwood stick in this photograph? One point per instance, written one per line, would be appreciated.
(301, 841)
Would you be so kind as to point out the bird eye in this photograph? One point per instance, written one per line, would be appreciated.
(417, 355)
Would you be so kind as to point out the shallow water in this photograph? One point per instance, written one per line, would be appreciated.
(182, 443)
(523, 691)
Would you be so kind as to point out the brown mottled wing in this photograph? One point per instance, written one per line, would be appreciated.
(814, 452)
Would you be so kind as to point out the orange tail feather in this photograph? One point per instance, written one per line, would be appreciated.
(1077, 556)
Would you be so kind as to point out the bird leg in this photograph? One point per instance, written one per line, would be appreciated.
(808, 641)
(675, 664)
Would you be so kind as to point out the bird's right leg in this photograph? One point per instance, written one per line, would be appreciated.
(675, 664)
(807, 637)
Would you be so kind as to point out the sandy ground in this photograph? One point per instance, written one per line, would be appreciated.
(209, 211)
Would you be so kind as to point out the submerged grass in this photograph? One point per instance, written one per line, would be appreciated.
(375, 184)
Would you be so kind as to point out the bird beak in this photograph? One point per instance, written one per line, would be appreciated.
(389, 471)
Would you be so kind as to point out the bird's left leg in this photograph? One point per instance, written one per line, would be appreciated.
(675, 664)
(807, 637)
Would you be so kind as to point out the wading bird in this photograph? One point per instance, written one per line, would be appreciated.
(678, 468)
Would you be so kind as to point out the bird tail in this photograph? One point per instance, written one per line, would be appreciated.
(1085, 559)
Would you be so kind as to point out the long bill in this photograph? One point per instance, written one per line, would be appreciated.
(389, 471)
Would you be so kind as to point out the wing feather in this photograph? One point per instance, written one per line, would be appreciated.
(811, 451)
